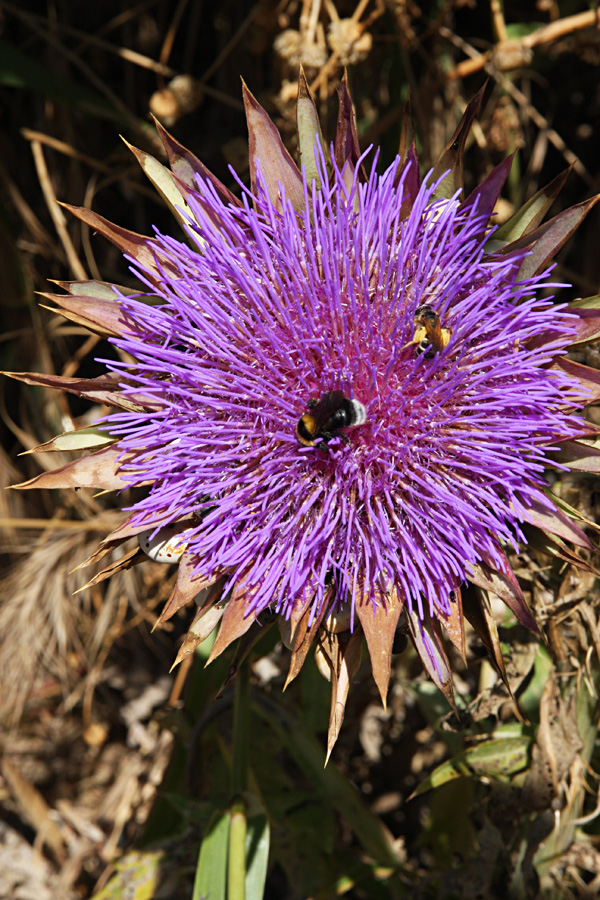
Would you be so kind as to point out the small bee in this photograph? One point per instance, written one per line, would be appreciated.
(327, 416)
(429, 335)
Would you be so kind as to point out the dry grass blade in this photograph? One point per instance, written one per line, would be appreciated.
(35, 810)
(62, 147)
(55, 211)
(41, 622)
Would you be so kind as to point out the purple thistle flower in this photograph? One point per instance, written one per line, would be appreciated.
(273, 308)
(382, 289)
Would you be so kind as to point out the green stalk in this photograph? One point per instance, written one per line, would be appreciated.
(236, 862)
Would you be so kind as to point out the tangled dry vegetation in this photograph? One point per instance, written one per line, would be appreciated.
(99, 740)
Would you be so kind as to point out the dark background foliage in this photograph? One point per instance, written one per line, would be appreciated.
(103, 750)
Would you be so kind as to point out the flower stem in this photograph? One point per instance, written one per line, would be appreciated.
(241, 729)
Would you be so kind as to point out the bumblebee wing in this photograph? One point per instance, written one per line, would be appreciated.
(325, 408)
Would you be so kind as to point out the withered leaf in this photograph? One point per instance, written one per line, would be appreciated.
(186, 166)
(556, 746)
(304, 637)
(132, 558)
(505, 586)
(379, 622)
(455, 623)
(205, 621)
(343, 651)
(476, 609)
(104, 389)
(186, 587)
(96, 470)
(555, 521)
(235, 622)
(346, 138)
(144, 250)
(425, 633)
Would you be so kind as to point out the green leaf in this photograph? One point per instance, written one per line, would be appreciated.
(211, 873)
(309, 129)
(308, 754)
(587, 303)
(529, 700)
(257, 848)
(496, 758)
(219, 866)
(18, 70)
(528, 216)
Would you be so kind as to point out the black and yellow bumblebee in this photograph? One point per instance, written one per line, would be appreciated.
(325, 418)
(429, 335)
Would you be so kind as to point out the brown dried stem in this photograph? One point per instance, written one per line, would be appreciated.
(544, 35)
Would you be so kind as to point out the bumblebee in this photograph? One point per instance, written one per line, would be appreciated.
(429, 335)
(325, 418)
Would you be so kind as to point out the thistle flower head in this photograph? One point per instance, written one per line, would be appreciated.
(344, 391)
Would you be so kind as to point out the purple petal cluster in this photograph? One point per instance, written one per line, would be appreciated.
(270, 308)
